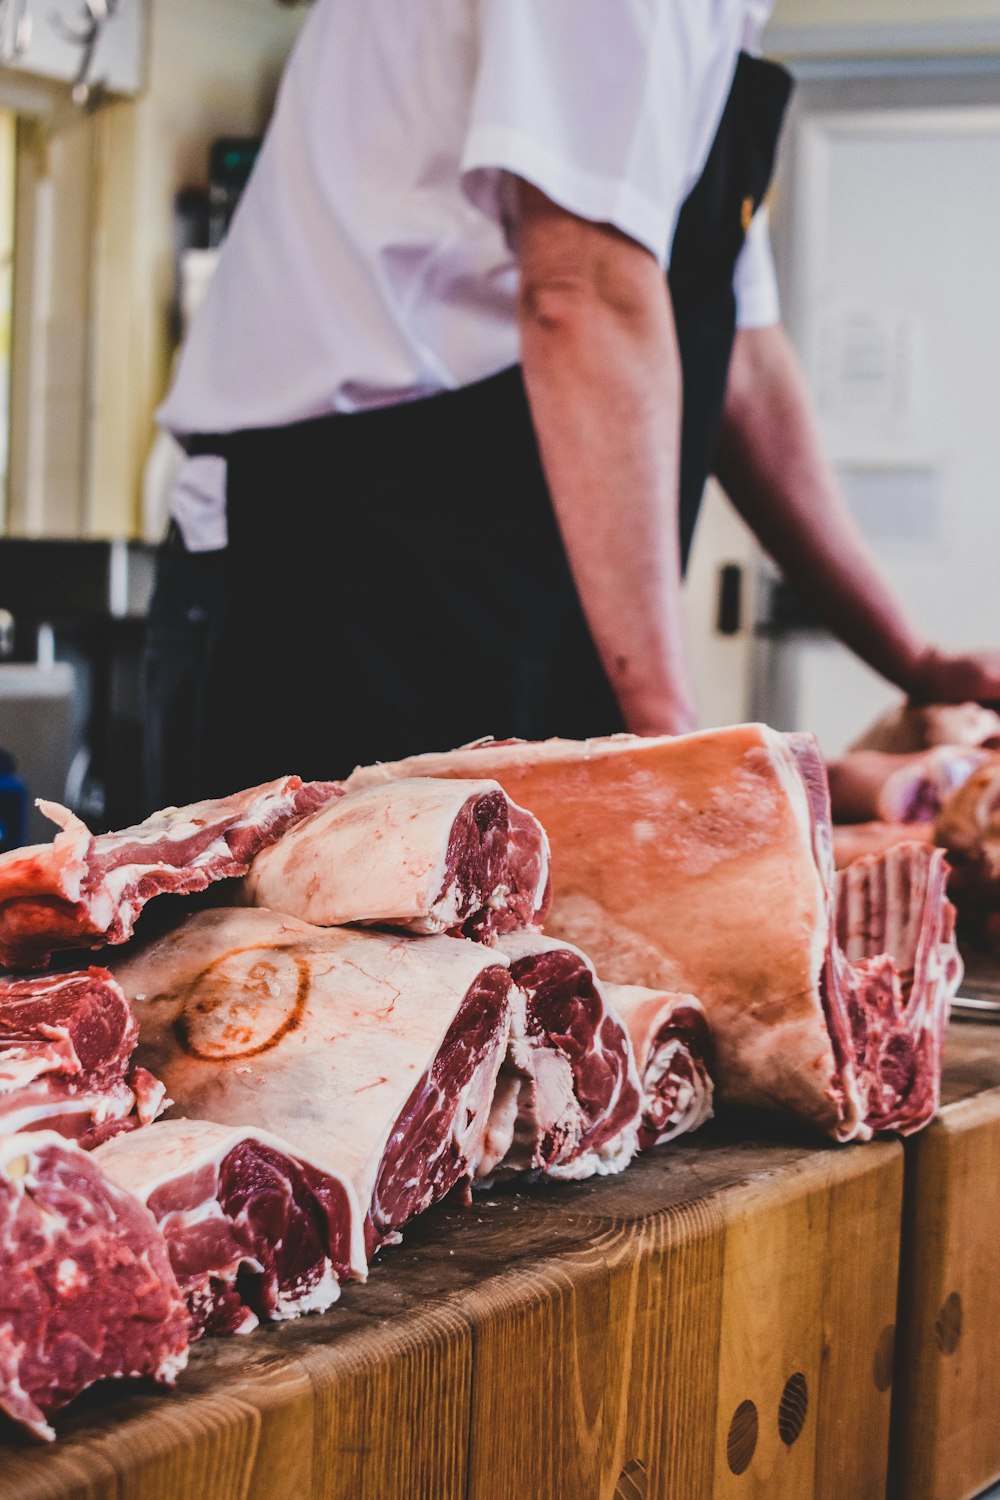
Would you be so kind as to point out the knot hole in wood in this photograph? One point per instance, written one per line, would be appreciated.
(885, 1346)
(633, 1482)
(792, 1408)
(741, 1444)
(948, 1325)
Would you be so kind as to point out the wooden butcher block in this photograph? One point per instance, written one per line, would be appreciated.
(717, 1322)
(947, 1420)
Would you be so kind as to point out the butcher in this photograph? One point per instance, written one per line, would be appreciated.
(499, 296)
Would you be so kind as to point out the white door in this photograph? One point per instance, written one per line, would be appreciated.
(891, 291)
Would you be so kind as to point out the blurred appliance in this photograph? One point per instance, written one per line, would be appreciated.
(36, 730)
(69, 699)
(231, 160)
(13, 806)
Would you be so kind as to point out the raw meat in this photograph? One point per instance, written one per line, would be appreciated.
(894, 969)
(65, 1045)
(869, 784)
(83, 891)
(86, 1288)
(911, 727)
(426, 856)
(673, 1050)
(253, 1230)
(704, 864)
(968, 828)
(374, 1057)
(567, 1099)
(854, 840)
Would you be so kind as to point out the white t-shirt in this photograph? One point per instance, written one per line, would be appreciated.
(370, 259)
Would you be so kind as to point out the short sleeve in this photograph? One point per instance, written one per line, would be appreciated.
(755, 281)
(587, 101)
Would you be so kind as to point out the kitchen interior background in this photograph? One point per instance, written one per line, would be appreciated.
(122, 144)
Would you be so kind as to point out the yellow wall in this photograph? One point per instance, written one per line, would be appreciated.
(213, 67)
(822, 13)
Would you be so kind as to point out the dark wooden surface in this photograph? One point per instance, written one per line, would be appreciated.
(715, 1322)
(946, 1420)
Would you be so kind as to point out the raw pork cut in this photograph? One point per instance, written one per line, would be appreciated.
(374, 1057)
(704, 864)
(868, 784)
(86, 1288)
(892, 962)
(423, 855)
(82, 890)
(910, 727)
(65, 1045)
(253, 1230)
(968, 828)
(853, 841)
(567, 1099)
(672, 1046)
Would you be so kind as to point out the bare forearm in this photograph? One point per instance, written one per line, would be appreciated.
(603, 380)
(773, 466)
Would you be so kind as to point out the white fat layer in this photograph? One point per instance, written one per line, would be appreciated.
(614, 1156)
(13, 1148)
(170, 1367)
(99, 1107)
(379, 855)
(68, 1276)
(15, 1399)
(371, 1013)
(694, 1096)
(160, 1153)
(21, 1065)
(319, 1297)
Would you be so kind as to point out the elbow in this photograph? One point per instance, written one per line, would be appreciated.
(566, 303)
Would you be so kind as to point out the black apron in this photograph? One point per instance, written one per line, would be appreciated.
(395, 579)
(710, 235)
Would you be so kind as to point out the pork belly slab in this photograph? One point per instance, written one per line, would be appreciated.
(704, 864)
(254, 1232)
(82, 890)
(673, 1051)
(87, 1292)
(372, 1057)
(66, 1041)
(423, 855)
(567, 1098)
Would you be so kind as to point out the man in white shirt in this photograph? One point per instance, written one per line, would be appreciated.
(439, 360)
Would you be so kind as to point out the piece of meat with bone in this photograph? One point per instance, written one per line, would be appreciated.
(673, 1053)
(373, 1057)
(254, 1231)
(895, 969)
(422, 855)
(910, 727)
(968, 829)
(868, 784)
(704, 864)
(853, 841)
(567, 1098)
(84, 890)
(65, 1045)
(86, 1288)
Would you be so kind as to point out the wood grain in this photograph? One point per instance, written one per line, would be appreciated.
(946, 1437)
(565, 1342)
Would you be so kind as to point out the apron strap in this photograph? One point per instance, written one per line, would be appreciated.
(710, 234)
